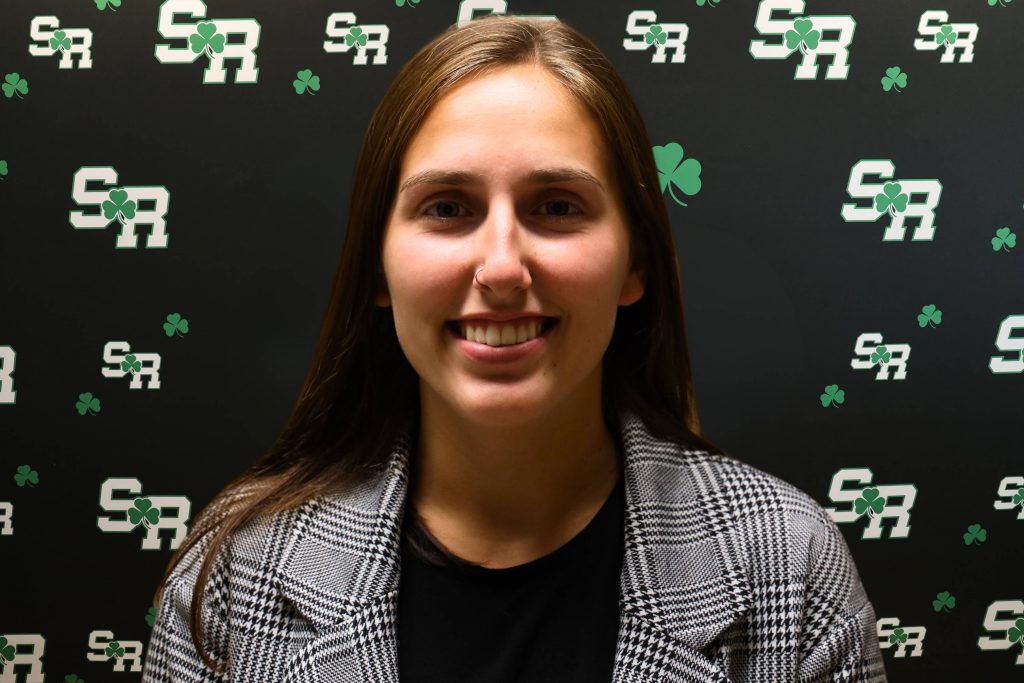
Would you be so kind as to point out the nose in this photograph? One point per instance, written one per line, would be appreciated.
(502, 247)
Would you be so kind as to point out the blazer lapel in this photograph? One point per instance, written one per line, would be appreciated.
(682, 582)
(340, 572)
(341, 566)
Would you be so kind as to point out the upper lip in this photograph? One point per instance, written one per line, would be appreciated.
(501, 317)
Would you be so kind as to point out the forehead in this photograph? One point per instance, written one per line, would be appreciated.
(505, 123)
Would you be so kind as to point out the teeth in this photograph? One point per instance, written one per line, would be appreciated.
(501, 334)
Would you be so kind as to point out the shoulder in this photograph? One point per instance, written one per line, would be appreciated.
(788, 542)
(723, 484)
(777, 532)
(777, 518)
(238, 577)
(797, 562)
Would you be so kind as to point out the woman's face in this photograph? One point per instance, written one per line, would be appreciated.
(554, 247)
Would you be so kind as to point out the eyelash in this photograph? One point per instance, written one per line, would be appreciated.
(447, 219)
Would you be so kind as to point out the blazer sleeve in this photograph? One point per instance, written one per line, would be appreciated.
(839, 640)
(171, 655)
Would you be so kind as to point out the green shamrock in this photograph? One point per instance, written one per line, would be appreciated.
(943, 601)
(207, 38)
(26, 475)
(992, 3)
(143, 513)
(894, 78)
(946, 34)
(3, 168)
(151, 616)
(118, 206)
(7, 651)
(975, 534)
(73, 678)
(14, 84)
(1016, 632)
(880, 355)
(412, 3)
(801, 36)
(898, 635)
(685, 175)
(130, 364)
(1004, 240)
(87, 403)
(1018, 497)
(60, 41)
(656, 34)
(928, 315)
(891, 198)
(869, 502)
(306, 80)
(834, 395)
(175, 323)
(102, 4)
(709, 3)
(114, 650)
(355, 35)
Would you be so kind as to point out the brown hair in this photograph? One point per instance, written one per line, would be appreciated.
(361, 391)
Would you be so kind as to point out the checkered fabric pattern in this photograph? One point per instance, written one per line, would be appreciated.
(730, 574)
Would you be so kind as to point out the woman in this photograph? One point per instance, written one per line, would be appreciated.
(533, 502)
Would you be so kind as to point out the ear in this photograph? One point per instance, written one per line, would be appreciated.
(633, 287)
(381, 297)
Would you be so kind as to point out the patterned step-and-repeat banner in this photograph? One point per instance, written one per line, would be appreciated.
(846, 185)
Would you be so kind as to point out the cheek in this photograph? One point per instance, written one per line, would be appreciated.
(419, 276)
(591, 286)
(423, 296)
(594, 272)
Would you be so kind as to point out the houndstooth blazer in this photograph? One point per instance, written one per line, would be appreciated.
(730, 574)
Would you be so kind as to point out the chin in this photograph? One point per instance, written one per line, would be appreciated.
(504, 414)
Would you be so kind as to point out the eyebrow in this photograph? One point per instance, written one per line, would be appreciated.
(537, 176)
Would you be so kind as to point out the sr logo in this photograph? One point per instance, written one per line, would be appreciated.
(127, 654)
(7, 361)
(26, 666)
(1008, 344)
(211, 38)
(1002, 617)
(670, 36)
(469, 8)
(895, 199)
(363, 38)
(138, 365)
(908, 643)
(878, 502)
(120, 204)
(806, 34)
(939, 33)
(1009, 491)
(6, 518)
(870, 352)
(153, 513)
(69, 42)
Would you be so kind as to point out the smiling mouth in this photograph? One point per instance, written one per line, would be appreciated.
(546, 327)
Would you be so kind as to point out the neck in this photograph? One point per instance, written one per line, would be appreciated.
(502, 496)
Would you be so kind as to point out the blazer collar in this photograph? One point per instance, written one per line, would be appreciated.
(340, 569)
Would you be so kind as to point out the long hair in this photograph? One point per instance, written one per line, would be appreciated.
(360, 390)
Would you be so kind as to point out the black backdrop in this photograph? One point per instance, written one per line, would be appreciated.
(783, 291)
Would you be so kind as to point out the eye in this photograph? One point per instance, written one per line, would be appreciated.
(447, 203)
(561, 203)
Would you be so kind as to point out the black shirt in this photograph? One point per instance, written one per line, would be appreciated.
(555, 618)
